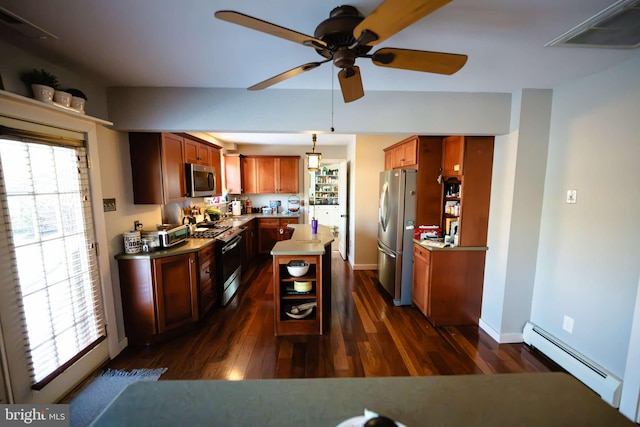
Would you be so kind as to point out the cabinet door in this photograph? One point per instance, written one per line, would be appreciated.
(175, 188)
(268, 237)
(410, 153)
(288, 175)
(204, 155)
(266, 174)
(176, 291)
(452, 155)
(190, 151)
(233, 173)
(251, 243)
(249, 175)
(388, 160)
(285, 231)
(214, 155)
(420, 284)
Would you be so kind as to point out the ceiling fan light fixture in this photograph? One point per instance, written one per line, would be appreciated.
(313, 158)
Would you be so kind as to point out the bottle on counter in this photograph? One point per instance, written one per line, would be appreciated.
(248, 206)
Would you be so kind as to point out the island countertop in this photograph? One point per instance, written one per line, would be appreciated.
(303, 242)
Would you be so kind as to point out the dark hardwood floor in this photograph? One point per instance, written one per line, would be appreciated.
(369, 336)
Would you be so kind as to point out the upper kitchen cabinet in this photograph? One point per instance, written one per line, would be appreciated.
(233, 173)
(404, 154)
(196, 152)
(269, 174)
(157, 168)
(203, 153)
(453, 155)
(423, 153)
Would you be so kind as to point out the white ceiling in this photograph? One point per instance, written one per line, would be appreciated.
(181, 44)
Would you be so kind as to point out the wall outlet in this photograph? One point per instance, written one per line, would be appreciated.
(572, 196)
(567, 324)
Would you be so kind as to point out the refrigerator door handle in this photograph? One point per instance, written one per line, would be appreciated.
(381, 249)
(383, 209)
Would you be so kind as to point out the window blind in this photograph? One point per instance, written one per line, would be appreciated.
(45, 193)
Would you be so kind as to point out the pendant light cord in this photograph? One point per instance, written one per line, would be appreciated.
(332, 78)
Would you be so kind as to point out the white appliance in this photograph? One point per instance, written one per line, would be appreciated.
(396, 221)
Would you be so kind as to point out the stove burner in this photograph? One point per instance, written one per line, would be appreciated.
(210, 232)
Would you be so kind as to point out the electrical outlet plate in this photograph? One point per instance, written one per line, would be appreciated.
(572, 196)
(567, 324)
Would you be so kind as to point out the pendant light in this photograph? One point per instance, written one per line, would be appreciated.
(313, 158)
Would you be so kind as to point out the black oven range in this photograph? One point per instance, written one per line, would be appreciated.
(228, 247)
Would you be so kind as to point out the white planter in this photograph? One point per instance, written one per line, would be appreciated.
(43, 93)
(63, 98)
(77, 103)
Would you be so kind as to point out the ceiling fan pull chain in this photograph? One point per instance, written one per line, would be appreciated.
(332, 78)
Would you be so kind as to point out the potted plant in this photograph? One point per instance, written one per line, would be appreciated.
(78, 99)
(43, 84)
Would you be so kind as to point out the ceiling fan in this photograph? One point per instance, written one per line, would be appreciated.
(347, 35)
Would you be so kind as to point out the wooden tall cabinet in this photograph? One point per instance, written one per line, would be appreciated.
(467, 169)
(159, 295)
(233, 168)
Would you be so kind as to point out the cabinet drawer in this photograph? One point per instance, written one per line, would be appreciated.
(269, 222)
(287, 221)
(206, 271)
(208, 296)
(421, 253)
(205, 253)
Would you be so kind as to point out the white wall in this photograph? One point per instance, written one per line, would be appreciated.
(15, 61)
(587, 266)
(115, 171)
(366, 168)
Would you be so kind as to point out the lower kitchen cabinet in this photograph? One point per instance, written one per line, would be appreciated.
(447, 284)
(159, 295)
(207, 288)
(272, 230)
(251, 242)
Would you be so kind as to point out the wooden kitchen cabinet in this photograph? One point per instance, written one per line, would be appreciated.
(251, 242)
(271, 174)
(447, 284)
(402, 154)
(202, 152)
(273, 230)
(158, 295)
(207, 285)
(470, 191)
(453, 155)
(196, 152)
(157, 168)
(233, 168)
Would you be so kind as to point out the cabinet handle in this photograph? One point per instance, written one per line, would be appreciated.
(207, 272)
(281, 231)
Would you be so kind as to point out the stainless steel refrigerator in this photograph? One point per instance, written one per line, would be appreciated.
(396, 221)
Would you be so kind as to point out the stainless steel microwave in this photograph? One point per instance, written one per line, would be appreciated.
(201, 180)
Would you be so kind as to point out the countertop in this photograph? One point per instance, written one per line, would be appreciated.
(449, 248)
(528, 399)
(303, 242)
(195, 244)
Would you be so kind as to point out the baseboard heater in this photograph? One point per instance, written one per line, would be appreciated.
(605, 384)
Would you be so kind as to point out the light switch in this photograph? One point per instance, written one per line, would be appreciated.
(108, 205)
(572, 196)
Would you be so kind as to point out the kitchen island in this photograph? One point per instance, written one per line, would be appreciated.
(542, 399)
(315, 250)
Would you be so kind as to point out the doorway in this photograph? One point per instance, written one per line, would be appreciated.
(326, 192)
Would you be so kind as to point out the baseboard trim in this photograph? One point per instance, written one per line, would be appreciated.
(498, 337)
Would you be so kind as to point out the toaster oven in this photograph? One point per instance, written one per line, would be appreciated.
(165, 235)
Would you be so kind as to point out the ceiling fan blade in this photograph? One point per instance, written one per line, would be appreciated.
(351, 83)
(419, 60)
(287, 75)
(269, 28)
(391, 17)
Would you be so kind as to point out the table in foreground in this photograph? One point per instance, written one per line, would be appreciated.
(540, 399)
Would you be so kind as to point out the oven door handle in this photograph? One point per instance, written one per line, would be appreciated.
(232, 244)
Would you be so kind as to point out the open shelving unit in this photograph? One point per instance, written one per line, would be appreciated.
(285, 296)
